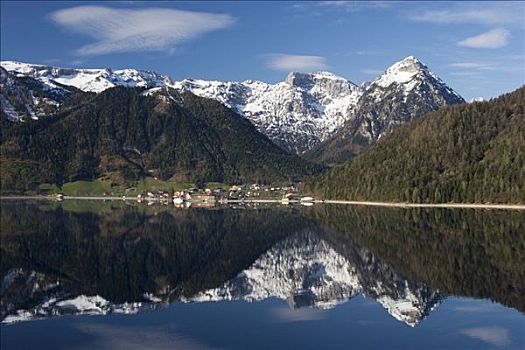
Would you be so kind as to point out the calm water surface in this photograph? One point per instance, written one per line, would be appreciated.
(89, 275)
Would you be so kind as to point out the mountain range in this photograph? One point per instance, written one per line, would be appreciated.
(62, 125)
(321, 115)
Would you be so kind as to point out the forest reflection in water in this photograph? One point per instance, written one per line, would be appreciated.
(104, 257)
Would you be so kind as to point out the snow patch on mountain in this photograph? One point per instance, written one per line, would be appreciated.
(8, 109)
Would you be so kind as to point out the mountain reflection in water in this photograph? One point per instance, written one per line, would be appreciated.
(101, 258)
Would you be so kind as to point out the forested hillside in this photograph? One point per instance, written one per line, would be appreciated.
(471, 153)
(122, 134)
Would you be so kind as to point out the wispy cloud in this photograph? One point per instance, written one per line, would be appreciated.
(125, 30)
(372, 52)
(469, 74)
(509, 63)
(488, 14)
(363, 52)
(474, 65)
(354, 6)
(493, 39)
(322, 8)
(494, 336)
(284, 62)
(520, 57)
(371, 71)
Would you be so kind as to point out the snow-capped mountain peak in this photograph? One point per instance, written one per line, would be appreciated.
(402, 72)
(410, 73)
(407, 90)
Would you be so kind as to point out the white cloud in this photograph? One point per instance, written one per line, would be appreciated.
(285, 62)
(494, 336)
(147, 29)
(492, 39)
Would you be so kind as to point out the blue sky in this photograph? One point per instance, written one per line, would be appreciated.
(478, 48)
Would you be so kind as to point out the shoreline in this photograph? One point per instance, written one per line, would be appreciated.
(278, 201)
(430, 205)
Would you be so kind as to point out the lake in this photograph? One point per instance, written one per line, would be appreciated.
(113, 275)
